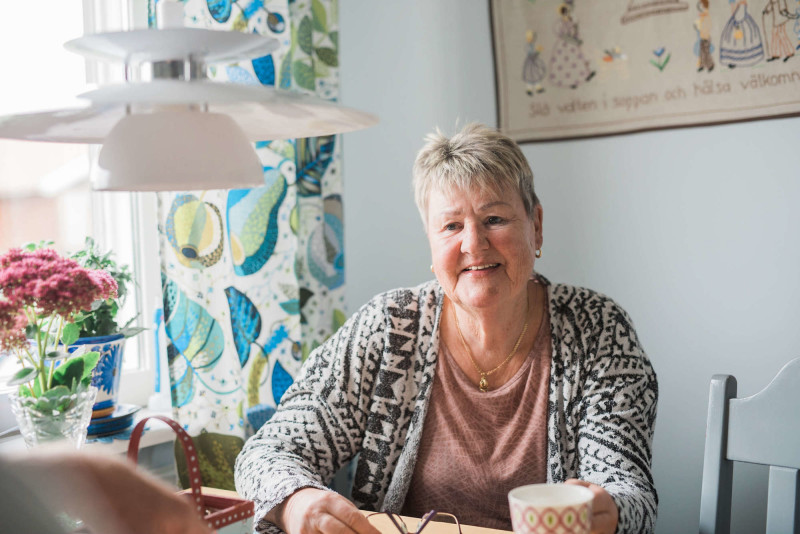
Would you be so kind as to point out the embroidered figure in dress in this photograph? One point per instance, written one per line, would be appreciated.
(775, 17)
(568, 66)
(740, 43)
(797, 23)
(534, 69)
(703, 48)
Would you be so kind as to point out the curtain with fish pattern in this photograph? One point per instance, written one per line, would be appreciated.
(253, 279)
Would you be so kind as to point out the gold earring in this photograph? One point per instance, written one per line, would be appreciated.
(431, 267)
(538, 253)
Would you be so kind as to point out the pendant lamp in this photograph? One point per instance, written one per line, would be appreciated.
(180, 130)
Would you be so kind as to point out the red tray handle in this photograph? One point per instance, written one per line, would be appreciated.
(193, 467)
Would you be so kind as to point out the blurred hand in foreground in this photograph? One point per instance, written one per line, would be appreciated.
(108, 494)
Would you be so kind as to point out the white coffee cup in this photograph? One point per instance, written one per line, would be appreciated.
(551, 509)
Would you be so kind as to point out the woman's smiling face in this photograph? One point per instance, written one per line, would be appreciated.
(482, 245)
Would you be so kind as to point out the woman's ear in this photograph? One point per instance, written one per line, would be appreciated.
(537, 226)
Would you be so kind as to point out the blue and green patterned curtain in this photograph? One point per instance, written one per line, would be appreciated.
(253, 279)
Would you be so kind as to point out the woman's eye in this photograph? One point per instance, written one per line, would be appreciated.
(451, 226)
(494, 220)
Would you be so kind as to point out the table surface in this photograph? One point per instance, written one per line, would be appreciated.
(385, 525)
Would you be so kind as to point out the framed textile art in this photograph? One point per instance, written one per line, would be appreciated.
(579, 68)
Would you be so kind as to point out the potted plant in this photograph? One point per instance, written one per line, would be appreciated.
(97, 327)
(40, 291)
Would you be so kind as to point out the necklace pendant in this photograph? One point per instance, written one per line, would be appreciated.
(483, 385)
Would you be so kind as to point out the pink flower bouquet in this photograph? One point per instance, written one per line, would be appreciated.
(40, 292)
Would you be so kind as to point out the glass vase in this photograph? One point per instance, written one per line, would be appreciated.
(60, 419)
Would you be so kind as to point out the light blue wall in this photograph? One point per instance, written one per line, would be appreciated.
(694, 231)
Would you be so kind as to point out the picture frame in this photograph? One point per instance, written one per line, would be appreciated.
(574, 68)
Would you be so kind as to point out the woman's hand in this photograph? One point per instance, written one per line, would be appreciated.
(316, 511)
(605, 515)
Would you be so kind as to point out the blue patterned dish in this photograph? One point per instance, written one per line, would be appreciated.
(120, 420)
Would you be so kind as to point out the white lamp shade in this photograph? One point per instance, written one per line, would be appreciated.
(154, 136)
(176, 151)
(263, 113)
(211, 46)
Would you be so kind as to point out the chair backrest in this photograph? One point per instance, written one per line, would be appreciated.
(762, 429)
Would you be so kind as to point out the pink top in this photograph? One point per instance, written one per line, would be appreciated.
(476, 447)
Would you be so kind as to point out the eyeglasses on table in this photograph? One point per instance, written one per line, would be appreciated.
(433, 515)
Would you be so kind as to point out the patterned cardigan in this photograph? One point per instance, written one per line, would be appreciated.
(366, 391)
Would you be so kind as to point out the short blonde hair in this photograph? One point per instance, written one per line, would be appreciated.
(477, 157)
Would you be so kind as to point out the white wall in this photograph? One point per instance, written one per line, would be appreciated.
(693, 231)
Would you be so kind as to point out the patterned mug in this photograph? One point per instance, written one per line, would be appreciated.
(551, 509)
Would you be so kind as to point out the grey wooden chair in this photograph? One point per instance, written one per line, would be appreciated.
(762, 429)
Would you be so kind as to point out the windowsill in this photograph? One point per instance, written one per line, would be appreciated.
(156, 434)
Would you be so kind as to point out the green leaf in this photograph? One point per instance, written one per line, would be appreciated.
(294, 220)
(57, 355)
(57, 399)
(303, 75)
(31, 245)
(284, 148)
(338, 319)
(24, 375)
(334, 39)
(320, 16)
(290, 290)
(45, 404)
(90, 360)
(321, 70)
(69, 373)
(56, 392)
(240, 24)
(304, 38)
(286, 71)
(305, 295)
(100, 320)
(70, 334)
(291, 306)
(131, 331)
(333, 13)
(328, 56)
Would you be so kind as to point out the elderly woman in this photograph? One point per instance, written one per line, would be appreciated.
(458, 390)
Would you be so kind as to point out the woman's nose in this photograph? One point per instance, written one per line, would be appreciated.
(474, 239)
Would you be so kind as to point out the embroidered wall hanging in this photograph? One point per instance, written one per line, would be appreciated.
(576, 68)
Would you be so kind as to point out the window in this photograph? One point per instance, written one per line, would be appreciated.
(44, 188)
(45, 193)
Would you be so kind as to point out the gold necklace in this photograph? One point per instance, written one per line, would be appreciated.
(483, 385)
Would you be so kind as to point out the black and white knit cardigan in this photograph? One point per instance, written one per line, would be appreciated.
(366, 391)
